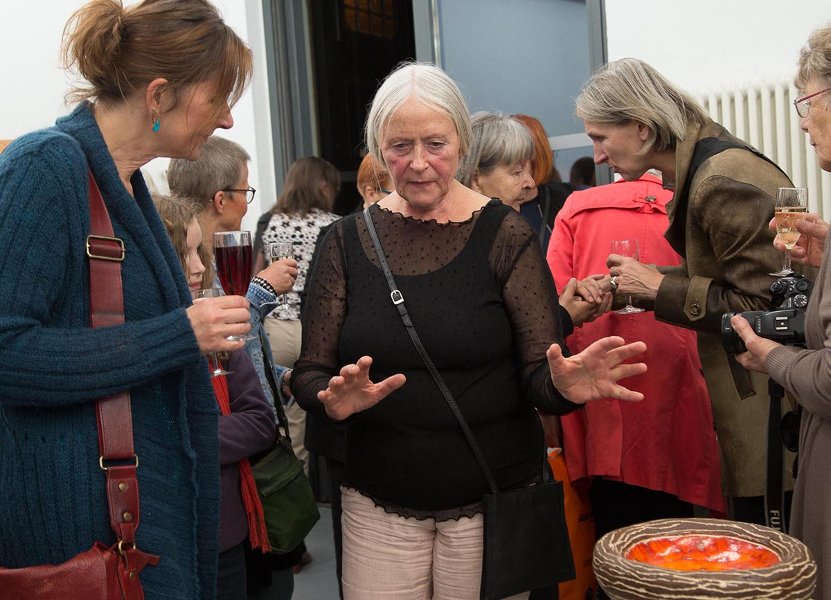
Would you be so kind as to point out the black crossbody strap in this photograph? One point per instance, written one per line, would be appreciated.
(398, 300)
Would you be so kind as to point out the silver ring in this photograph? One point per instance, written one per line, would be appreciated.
(613, 282)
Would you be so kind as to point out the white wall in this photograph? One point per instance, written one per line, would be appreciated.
(702, 44)
(35, 83)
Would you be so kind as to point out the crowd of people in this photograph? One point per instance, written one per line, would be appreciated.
(512, 279)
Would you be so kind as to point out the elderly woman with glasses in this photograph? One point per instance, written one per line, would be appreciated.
(806, 373)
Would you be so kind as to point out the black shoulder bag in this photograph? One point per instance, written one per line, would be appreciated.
(526, 543)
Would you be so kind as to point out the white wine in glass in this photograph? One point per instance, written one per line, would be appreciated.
(627, 248)
(279, 251)
(791, 208)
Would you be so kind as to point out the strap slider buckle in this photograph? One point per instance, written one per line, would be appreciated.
(397, 297)
(109, 253)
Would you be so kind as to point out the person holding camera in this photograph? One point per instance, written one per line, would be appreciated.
(723, 201)
(806, 372)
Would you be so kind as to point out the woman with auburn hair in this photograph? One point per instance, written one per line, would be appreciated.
(373, 180)
(159, 77)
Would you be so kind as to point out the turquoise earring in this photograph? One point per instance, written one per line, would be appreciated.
(156, 122)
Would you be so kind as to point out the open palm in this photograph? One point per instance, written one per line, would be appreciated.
(352, 391)
(593, 373)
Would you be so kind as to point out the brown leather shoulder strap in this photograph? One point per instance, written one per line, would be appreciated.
(115, 422)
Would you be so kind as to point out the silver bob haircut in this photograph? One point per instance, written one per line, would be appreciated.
(218, 167)
(815, 60)
(429, 84)
(631, 90)
(498, 139)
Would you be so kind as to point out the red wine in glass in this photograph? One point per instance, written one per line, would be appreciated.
(232, 251)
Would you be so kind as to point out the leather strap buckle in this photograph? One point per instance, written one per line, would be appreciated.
(96, 252)
(106, 468)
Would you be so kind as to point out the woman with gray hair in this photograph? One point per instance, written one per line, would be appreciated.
(805, 373)
(724, 196)
(499, 161)
(482, 298)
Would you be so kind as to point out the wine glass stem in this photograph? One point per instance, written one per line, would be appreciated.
(787, 260)
(629, 300)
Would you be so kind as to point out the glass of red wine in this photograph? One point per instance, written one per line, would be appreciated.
(232, 251)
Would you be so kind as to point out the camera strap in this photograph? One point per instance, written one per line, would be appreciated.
(774, 491)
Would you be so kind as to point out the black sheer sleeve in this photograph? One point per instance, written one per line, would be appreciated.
(322, 319)
(531, 299)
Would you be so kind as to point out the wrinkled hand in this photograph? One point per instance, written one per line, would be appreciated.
(214, 319)
(581, 310)
(634, 278)
(810, 246)
(286, 384)
(758, 348)
(281, 274)
(594, 372)
(593, 288)
(352, 391)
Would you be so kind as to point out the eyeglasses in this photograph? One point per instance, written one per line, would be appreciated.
(802, 105)
(383, 191)
(249, 193)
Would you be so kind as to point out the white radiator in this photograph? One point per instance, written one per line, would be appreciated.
(764, 116)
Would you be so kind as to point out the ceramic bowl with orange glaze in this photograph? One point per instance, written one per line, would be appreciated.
(691, 559)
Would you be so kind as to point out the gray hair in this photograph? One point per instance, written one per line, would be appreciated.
(498, 139)
(631, 90)
(815, 59)
(429, 84)
(218, 167)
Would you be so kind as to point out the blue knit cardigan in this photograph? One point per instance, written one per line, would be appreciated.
(53, 367)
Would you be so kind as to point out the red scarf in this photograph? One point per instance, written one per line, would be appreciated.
(257, 533)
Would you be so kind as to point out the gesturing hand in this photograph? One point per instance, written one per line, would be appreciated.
(593, 373)
(352, 391)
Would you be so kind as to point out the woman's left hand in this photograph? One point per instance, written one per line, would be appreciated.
(634, 278)
(581, 310)
(758, 348)
(593, 373)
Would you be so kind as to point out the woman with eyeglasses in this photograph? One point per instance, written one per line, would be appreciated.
(806, 373)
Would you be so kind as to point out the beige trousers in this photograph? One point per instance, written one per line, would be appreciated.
(388, 557)
(284, 337)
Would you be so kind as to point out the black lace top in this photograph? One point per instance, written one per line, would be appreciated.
(483, 302)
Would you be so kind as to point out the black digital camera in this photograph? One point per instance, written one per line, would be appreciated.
(784, 324)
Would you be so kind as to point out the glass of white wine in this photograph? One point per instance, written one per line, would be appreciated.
(791, 208)
(279, 251)
(627, 248)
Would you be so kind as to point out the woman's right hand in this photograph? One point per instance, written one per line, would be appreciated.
(281, 274)
(214, 319)
(810, 246)
(352, 391)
